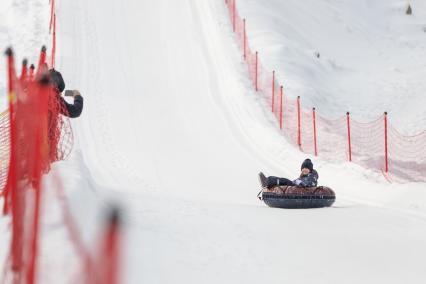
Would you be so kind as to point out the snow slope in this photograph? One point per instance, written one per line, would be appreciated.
(371, 55)
(173, 132)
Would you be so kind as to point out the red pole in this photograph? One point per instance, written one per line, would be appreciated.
(281, 107)
(233, 15)
(42, 60)
(257, 60)
(315, 131)
(11, 98)
(31, 273)
(10, 76)
(273, 90)
(349, 136)
(244, 38)
(52, 63)
(386, 142)
(299, 140)
(24, 70)
(40, 160)
(12, 182)
(31, 76)
(52, 8)
(110, 258)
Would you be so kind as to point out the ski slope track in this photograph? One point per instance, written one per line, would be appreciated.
(173, 132)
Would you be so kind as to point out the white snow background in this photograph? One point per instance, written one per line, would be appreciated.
(173, 131)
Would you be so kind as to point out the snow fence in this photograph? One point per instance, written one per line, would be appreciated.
(376, 145)
(34, 134)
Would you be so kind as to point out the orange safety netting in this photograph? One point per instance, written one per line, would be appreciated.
(34, 132)
(60, 133)
(60, 136)
(376, 145)
(29, 148)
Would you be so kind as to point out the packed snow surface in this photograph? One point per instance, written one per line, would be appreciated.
(173, 132)
(371, 55)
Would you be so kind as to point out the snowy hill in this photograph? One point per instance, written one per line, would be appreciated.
(371, 55)
(173, 131)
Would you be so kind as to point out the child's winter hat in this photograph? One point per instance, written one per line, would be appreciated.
(307, 164)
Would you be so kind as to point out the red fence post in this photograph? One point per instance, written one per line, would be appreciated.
(257, 60)
(315, 131)
(32, 265)
(16, 197)
(349, 136)
(31, 75)
(273, 90)
(386, 142)
(24, 70)
(52, 8)
(42, 60)
(11, 99)
(244, 39)
(281, 107)
(109, 261)
(233, 15)
(40, 159)
(299, 138)
(52, 63)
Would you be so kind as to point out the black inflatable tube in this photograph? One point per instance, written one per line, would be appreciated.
(297, 201)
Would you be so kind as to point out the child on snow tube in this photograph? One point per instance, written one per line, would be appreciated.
(308, 178)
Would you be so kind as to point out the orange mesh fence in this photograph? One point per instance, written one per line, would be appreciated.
(407, 155)
(367, 143)
(336, 130)
(28, 158)
(376, 145)
(34, 132)
(60, 133)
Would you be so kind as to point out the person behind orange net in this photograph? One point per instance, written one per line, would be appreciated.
(71, 110)
(59, 107)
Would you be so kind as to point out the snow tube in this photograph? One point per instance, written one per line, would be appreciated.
(299, 197)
